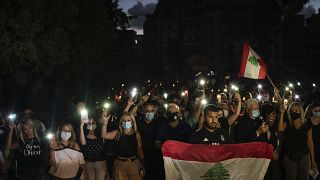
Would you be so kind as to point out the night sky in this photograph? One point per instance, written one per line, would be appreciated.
(126, 5)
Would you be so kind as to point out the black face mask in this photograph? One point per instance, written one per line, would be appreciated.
(295, 116)
(172, 116)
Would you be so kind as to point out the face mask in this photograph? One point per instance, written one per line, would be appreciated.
(91, 127)
(255, 113)
(65, 136)
(172, 116)
(317, 114)
(149, 116)
(295, 116)
(225, 113)
(127, 125)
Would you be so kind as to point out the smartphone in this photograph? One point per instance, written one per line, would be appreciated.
(285, 103)
(12, 117)
(84, 115)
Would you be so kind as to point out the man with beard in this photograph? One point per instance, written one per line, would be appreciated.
(210, 133)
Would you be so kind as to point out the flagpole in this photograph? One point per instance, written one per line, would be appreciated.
(270, 80)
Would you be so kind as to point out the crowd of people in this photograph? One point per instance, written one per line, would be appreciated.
(126, 144)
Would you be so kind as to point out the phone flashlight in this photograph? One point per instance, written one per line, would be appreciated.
(106, 105)
(84, 115)
(50, 136)
(12, 117)
(134, 92)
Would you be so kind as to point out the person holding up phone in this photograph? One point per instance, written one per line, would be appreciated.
(93, 150)
(30, 151)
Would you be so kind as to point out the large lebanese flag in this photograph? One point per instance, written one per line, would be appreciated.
(248, 161)
(252, 65)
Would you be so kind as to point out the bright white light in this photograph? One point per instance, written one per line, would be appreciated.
(313, 84)
(122, 85)
(12, 116)
(173, 85)
(106, 105)
(236, 88)
(299, 83)
(134, 92)
(259, 86)
(166, 106)
(291, 85)
(233, 86)
(50, 136)
(202, 82)
(84, 112)
(165, 95)
(204, 101)
(259, 97)
(136, 41)
(225, 90)
(296, 96)
(287, 89)
(183, 94)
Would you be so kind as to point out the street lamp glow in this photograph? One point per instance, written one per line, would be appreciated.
(259, 86)
(202, 82)
(204, 101)
(165, 95)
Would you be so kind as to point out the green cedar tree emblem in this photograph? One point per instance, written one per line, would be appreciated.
(253, 60)
(216, 172)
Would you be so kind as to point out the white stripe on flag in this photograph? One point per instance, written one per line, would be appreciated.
(252, 71)
(238, 168)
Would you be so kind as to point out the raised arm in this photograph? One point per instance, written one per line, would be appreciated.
(10, 145)
(104, 132)
(235, 116)
(282, 125)
(128, 106)
(82, 136)
(140, 103)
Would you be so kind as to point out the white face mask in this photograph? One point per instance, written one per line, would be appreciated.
(65, 136)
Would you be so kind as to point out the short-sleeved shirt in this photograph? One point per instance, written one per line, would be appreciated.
(68, 161)
(203, 136)
(180, 133)
(30, 153)
(94, 149)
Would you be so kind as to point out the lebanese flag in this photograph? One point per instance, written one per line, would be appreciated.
(230, 161)
(252, 65)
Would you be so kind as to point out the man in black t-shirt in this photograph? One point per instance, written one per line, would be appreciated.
(148, 125)
(210, 133)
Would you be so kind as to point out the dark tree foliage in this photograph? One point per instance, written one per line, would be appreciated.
(55, 47)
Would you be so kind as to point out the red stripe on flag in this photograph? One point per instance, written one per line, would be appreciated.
(244, 61)
(215, 153)
(263, 69)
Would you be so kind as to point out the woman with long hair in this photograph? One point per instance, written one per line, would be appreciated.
(30, 150)
(298, 143)
(93, 150)
(65, 155)
(129, 163)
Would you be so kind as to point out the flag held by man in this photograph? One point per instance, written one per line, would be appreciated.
(252, 65)
(216, 162)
